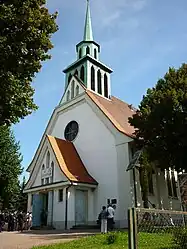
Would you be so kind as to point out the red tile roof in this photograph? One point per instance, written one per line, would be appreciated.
(69, 161)
(116, 111)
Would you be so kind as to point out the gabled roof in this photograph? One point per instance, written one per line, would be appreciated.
(117, 111)
(89, 58)
(69, 161)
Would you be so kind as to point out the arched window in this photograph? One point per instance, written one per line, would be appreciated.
(52, 172)
(69, 77)
(68, 96)
(95, 53)
(77, 90)
(99, 86)
(80, 53)
(72, 89)
(105, 86)
(82, 73)
(48, 160)
(43, 167)
(87, 50)
(76, 72)
(92, 78)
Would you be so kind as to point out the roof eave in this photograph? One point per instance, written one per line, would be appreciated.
(88, 42)
(75, 64)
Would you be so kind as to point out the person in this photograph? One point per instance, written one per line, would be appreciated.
(103, 218)
(1, 221)
(20, 219)
(110, 217)
(29, 220)
(11, 222)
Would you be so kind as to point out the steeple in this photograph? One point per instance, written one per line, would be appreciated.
(88, 34)
(88, 68)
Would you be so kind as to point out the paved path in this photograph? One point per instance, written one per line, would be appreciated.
(15, 240)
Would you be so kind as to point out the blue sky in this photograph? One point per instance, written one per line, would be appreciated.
(139, 40)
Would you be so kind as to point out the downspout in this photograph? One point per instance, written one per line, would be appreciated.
(135, 192)
(66, 208)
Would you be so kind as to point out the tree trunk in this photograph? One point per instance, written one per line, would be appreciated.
(144, 186)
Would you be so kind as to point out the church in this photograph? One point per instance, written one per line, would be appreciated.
(82, 160)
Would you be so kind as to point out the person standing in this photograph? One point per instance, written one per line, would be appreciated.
(110, 217)
(103, 218)
(20, 221)
(1, 221)
(29, 220)
(11, 222)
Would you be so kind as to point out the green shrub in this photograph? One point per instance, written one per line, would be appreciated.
(111, 238)
(180, 237)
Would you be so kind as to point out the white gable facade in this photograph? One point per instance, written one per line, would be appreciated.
(80, 164)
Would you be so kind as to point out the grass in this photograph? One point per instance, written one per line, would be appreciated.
(146, 241)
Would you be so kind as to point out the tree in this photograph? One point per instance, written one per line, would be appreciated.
(161, 121)
(22, 197)
(10, 168)
(26, 28)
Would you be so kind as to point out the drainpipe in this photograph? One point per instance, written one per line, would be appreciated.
(66, 208)
(135, 192)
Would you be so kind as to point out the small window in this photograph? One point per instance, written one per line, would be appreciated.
(105, 86)
(42, 181)
(92, 78)
(174, 184)
(72, 89)
(47, 180)
(60, 195)
(43, 167)
(68, 96)
(80, 53)
(48, 160)
(82, 73)
(95, 53)
(69, 78)
(52, 171)
(77, 90)
(99, 86)
(150, 183)
(76, 72)
(87, 50)
(169, 185)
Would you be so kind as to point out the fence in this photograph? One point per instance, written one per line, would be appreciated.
(157, 229)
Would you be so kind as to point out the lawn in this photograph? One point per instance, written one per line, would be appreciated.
(146, 241)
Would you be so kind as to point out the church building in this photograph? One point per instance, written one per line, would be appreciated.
(82, 159)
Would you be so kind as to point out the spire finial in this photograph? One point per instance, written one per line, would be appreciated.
(88, 35)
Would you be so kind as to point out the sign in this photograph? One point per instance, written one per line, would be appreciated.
(47, 172)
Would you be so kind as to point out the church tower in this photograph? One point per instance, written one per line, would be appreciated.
(88, 68)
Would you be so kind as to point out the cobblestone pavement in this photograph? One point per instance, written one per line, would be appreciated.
(15, 240)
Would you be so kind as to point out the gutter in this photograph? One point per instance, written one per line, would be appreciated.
(66, 208)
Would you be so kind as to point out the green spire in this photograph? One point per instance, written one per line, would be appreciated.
(88, 36)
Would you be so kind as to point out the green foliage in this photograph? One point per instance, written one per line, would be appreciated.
(10, 168)
(111, 238)
(145, 241)
(26, 28)
(180, 237)
(22, 197)
(161, 120)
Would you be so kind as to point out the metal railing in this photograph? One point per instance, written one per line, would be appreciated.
(153, 228)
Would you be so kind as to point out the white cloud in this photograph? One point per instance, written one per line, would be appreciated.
(110, 12)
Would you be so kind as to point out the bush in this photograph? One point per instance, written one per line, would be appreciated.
(111, 238)
(180, 237)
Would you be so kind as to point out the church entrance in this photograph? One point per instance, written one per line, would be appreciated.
(44, 211)
(81, 206)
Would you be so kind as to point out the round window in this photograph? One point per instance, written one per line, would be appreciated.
(71, 131)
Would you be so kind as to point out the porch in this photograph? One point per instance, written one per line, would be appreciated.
(63, 207)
